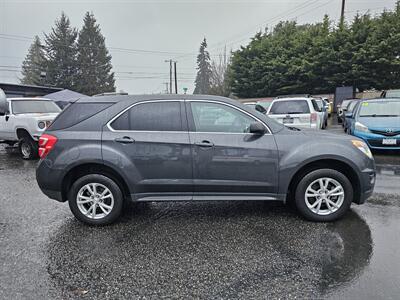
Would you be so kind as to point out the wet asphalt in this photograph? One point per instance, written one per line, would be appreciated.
(205, 250)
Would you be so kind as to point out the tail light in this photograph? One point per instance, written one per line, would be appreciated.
(313, 118)
(46, 144)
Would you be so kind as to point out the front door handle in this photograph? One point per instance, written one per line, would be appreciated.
(125, 140)
(204, 144)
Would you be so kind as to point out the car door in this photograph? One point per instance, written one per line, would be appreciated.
(7, 126)
(153, 136)
(229, 162)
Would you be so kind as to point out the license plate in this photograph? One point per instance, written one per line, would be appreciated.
(389, 142)
(288, 121)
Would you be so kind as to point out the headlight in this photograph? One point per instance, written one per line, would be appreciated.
(361, 127)
(363, 147)
(42, 125)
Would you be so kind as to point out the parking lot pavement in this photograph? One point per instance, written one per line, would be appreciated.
(193, 250)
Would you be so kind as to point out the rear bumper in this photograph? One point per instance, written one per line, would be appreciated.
(55, 195)
(49, 180)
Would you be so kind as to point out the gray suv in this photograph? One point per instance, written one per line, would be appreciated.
(100, 152)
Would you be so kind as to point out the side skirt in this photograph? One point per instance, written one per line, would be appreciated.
(208, 197)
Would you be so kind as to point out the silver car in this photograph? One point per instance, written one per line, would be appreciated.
(297, 112)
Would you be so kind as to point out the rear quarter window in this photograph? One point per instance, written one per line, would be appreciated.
(76, 113)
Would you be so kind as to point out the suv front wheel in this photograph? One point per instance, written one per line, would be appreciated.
(95, 199)
(324, 195)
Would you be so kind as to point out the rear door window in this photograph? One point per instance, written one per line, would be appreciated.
(290, 107)
(152, 116)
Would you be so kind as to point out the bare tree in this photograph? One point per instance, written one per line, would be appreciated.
(219, 73)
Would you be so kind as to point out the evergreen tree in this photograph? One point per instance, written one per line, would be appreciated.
(317, 58)
(93, 60)
(34, 65)
(61, 53)
(203, 77)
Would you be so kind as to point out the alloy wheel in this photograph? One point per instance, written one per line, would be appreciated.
(95, 200)
(324, 196)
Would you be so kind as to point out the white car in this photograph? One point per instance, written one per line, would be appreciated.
(23, 120)
(297, 112)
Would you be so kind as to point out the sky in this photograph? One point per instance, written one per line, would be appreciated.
(142, 35)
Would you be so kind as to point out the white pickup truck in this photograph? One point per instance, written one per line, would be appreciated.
(23, 120)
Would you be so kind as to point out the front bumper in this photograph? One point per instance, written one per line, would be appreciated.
(367, 184)
(374, 141)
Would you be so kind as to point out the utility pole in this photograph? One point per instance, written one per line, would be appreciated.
(170, 75)
(342, 12)
(176, 79)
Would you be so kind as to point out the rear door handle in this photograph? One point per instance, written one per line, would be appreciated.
(204, 144)
(125, 140)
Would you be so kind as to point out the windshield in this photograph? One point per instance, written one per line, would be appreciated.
(290, 107)
(351, 106)
(393, 94)
(34, 106)
(380, 109)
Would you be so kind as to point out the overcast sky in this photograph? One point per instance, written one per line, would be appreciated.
(141, 35)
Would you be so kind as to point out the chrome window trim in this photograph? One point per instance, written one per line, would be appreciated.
(183, 100)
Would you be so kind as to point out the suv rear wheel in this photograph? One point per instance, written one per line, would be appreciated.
(95, 199)
(324, 195)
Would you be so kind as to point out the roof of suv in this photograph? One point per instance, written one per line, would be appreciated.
(29, 99)
(126, 100)
(136, 98)
(292, 99)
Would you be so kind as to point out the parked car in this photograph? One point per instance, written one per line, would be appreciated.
(23, 120)
(298, 112)
(348, 116)
(391, 94)
(103, 151)
(323, 110)
(342, 108)
(377, 122)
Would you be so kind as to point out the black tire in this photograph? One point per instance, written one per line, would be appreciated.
(28, 148)
(314, 175)
(103, 180)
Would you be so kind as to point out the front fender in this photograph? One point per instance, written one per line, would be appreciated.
(307, 151)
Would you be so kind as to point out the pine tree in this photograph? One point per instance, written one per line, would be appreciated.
(93, 60)
(34, 65)
(203, 77)
(61, 54)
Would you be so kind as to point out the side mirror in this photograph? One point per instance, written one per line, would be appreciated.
(349, 115)
(257, 128)
(261, 109)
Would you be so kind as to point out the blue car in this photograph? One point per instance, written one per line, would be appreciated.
(348, 116)
(377, 122)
